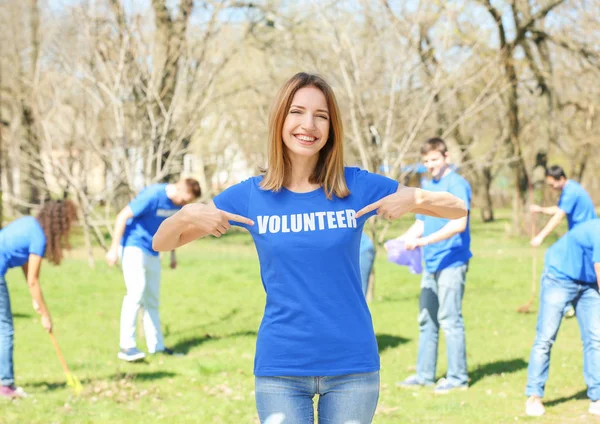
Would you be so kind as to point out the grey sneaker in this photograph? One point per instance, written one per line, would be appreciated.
(131, 355)
(412, 382)
(594, 407)
(443, 386)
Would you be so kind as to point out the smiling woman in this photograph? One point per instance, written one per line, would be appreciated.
(316, 335)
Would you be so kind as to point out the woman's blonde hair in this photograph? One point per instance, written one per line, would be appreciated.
(329, 171)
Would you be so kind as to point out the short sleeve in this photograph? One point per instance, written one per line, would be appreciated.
(462, 190)
(567, 200)
(372, 187)
(37, 243)
(144, 201)
(236, 199)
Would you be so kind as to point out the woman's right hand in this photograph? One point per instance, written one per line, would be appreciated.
(47, 322)
(211, 220)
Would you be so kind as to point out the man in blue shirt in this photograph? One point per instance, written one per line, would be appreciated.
(446, 251)
(574, 203)
(134, 228)
(571, 274)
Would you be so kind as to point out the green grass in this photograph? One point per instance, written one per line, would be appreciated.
(211, 308)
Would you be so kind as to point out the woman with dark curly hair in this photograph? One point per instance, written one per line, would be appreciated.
(24, 242)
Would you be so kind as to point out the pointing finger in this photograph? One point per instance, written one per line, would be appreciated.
(238, 218)
(368, 209)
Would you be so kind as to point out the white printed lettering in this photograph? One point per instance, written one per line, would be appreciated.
(350, 217)
(309, 221)
(320, 215)
(296, 222)
(331, 219)
(274, 224)
(284, 224)
(340, 219)
(262, 224)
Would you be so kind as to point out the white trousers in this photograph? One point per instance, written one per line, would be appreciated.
(142, 280)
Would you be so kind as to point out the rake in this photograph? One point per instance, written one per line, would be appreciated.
(524, 309)
(72, 380)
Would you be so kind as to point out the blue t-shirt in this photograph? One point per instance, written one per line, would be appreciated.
(316, 320)
(573, 256)
(150, 208)
(576, 203)
(456, 250)
(18, 240)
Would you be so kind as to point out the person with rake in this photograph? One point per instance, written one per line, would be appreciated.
(24, 243)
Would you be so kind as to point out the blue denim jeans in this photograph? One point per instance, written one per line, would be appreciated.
(440, 305)
(367, 257)
(554, 295)
(344, 399)
(7, 374)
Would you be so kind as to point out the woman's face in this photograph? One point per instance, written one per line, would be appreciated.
(306, 127)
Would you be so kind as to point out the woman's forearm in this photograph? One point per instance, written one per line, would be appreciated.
(176, 231)
(441, 204)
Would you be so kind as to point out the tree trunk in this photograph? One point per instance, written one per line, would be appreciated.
(487, 210)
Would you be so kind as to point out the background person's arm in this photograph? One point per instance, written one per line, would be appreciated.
(414, 231)
(455, 226)
(550, 226)
(548, 210)
(32, 274)
(119, 229)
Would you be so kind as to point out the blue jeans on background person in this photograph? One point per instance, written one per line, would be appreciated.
(555, 294)
(440, 305)
(344, 399)
(367, 257)
(7, 374)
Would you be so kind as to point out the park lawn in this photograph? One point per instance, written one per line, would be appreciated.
(211, 309)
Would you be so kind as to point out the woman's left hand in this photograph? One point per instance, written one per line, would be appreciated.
(393, 206)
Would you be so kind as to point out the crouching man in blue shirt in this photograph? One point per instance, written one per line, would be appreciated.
(571, 274)
(134, 228)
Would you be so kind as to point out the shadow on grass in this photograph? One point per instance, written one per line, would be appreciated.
(196, 328)
(132, 376)
(387, 341)
(413, 298)
(580, 395)
(498, 367)
(20, 315)
(185, 345)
